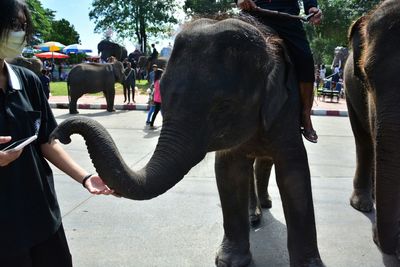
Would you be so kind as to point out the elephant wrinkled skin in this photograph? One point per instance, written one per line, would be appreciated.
(33, 64)
(92, 78)
(243, 103)
(372, 91)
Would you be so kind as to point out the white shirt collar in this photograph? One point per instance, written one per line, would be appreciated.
(13, 78)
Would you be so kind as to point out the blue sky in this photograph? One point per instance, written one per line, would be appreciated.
(79, 17)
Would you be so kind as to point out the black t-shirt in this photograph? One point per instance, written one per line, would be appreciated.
(29, 212)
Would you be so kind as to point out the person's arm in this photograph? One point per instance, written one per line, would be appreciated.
(60, 158)
(246, 5)
(6, 157)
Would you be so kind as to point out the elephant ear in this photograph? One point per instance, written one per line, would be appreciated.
(356, 43)
(279, 81)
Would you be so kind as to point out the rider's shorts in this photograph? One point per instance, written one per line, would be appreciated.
(294, 36)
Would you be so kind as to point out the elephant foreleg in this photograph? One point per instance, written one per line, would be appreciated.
(110, 95)
(293, 179)
(233, 173)
(73, 99)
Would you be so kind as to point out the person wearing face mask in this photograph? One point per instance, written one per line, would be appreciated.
(31, 231)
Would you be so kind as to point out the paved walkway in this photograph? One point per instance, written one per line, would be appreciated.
(320, 108)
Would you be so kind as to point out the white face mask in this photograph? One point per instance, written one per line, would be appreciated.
(12, 46)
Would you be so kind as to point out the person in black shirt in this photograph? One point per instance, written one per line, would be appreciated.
(31, 232)
(294, 36)
(45, 79)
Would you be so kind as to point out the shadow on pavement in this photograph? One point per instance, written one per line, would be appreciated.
(268, 242)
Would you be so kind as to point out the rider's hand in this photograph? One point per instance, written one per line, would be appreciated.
(6, 157)
(316, 19)
(247, 5)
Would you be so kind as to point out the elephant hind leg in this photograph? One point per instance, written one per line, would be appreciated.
(361, 197)
(255, 212)
(262, 172)
(259, 196)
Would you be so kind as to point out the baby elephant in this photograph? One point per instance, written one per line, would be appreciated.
(92, 78)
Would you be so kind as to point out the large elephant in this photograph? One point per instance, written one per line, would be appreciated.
(33, 64)
(243, 103)
(373, 95)
(108, 49)
(92, 78)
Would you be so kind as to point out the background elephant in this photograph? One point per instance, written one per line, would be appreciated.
(340, 56)
(372, 83)
(108, 49)
(144, 64)
(92, 78)
(33, 64)
(243, 103)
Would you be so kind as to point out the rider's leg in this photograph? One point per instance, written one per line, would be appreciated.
(307, 99)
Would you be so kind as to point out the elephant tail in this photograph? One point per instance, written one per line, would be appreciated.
(69, 91)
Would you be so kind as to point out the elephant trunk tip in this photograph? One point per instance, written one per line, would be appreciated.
(56, 134)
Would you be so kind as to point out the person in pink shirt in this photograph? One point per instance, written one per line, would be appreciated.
(157, 96)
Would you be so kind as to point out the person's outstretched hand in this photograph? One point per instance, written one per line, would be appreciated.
(6, 157)
(247, 5)
(316, 19)
(95, 185)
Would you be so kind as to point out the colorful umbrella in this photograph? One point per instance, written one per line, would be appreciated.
(50, 46)
(76, 49)
(51, 55)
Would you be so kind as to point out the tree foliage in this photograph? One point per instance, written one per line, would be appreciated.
(338, 15)
(49, 29)
(62, 31)
(134, 19)
(42, 19)
(206, 7)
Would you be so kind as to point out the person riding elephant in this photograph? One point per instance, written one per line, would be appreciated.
(92, 78)
(133, 57)
(372, 94)
(340, 56)
(242, 102)
(33, 64)
(293, 34)
(108, 49)
(145, 65)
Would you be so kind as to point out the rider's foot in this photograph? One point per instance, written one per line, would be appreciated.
(307, 129)
(310, 135)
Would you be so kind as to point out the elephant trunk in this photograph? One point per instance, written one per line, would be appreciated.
(172, 159)
(387, 179)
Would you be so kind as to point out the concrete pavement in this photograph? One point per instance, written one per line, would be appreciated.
(183, 227)
(320, 107)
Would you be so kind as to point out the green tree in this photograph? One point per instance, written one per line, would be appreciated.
(337, 18)
(206, 7)
(62, 31)
(42, 19)
(134, 19)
